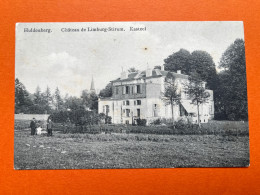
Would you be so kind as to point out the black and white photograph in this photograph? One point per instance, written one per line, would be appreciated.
(113, 95)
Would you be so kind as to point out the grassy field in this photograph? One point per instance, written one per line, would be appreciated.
(119, 150)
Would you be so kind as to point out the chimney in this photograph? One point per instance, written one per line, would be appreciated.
(162, 67)
(123, 75)
(178, 71)
(149, 72)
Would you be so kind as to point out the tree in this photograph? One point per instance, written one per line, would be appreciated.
(90, 100)
(132, 69)
(73, 103)
(107, 91)
(93, 104)
(58, 99)
(38, 98)
(203, 64)
(85, 98)
(180, 60)
(47, 99)
(231, 94)
(196, 91)
(23, 101)
(171, 93)
(38, 102)
(198, 61)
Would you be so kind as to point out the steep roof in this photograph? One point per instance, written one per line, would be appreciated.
(155, 73)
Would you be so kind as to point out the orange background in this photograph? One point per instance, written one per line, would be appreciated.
(127, 181)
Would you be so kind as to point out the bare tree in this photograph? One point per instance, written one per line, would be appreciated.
(171, 93)
(197, 92)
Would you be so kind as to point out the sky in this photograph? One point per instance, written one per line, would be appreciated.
(68, 60)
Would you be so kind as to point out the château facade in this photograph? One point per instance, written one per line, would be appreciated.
(140, 95)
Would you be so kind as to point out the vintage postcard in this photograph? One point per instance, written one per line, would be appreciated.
(130, 95)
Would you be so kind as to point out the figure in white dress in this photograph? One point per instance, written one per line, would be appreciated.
(39, 128)
(39, 131)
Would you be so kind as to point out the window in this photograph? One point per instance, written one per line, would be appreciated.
(106, 109)
(138, 102)
(155, 110)
(138, 112)
(116, 90)
(127, 112)
(127, 90)
(138, 88)
(127, 102)
(127, 122)
(182, 111)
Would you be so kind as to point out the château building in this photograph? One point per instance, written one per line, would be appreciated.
(140, 95)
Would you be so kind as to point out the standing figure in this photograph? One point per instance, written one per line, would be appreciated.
(49, 127)
(67, 125)
(33, 126)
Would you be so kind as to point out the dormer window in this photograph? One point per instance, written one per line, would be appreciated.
(138, 88)
(127, 89)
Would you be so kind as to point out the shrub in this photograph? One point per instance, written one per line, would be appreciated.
(141, 122)
(80, 117)
(225, 128)
(108, 120)
(156, 122)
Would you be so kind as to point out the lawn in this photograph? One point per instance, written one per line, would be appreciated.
(119, 150)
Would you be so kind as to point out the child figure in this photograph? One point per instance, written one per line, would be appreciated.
(39, 128)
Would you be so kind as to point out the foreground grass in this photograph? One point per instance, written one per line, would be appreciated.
(83, 151)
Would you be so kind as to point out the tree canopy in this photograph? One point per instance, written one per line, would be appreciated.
(203, 64)
(132, 69)
(23, 102)
(231, 93)
(107, 91)
(47, 103)
(180, 60)
(197, 61)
